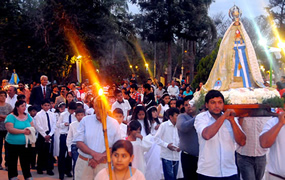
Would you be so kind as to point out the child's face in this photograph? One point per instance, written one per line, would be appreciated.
(173, 104)
(119, 97)
(71, 111)
(121, 159)
(33, 113)
(141, 115)
(135, 132)
(173, 118)
(166, 99)
(61, 108)
(52, 104)
(119, 117)
(154, 114)
(79, 116)
(46, 106)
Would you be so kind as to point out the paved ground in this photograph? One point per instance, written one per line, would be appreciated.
(4, 174)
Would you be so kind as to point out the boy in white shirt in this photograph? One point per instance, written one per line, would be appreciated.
(122, 104)
(72, 132)
(64, 121)
(167, 137)
(118, 114)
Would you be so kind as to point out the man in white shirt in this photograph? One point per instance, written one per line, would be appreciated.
(217, 134)
(251, 158)
(65, 119)
(173, 90)
(167, 137)
(45, 124)
(91, 144)
(272, 136)
(12, 96)
(121, 103)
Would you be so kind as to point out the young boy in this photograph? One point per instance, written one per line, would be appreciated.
(45, 124)
(121, 103)
(167, 138)
(119, 116)
(72, 132)
(33, 111)
(65, 119)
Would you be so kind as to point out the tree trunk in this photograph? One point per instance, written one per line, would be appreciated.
(169, 63)
(192, 55)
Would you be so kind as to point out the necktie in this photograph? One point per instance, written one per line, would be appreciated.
(48, 123)
(69, 118)
(44, 92)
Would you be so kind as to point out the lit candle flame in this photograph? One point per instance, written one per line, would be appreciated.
(101, 92)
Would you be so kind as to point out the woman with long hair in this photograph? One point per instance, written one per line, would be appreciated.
(140, 115)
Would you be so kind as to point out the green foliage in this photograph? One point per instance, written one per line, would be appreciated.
(205, 66)
(201, 100)
(274, 102)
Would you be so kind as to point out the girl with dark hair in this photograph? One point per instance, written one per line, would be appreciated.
(69, 98)
(18, 124)
(122, 156)
(172, 103)
(60, 108)
(140, 145)
(152, 115)
(163, 106)
(140, 115)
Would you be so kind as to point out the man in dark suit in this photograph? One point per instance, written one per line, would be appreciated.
(39, 93)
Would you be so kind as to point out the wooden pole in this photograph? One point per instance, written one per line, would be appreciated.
(104, 124)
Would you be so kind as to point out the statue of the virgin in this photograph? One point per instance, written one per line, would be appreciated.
(236, 65)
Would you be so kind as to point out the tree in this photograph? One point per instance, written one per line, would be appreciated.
(276, 10)
(205, 66)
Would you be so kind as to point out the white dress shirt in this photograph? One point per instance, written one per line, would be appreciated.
(41, 123)
(173, 91)
(276, 160)
(64, 118)
(90, 132)
(72, 132)
(167, 133)
(216, 155)
(125, 106)
(123, 128)
(12, 100)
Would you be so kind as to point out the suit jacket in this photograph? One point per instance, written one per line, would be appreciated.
(37, 96)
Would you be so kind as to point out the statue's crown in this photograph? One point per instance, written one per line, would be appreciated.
(235, 13)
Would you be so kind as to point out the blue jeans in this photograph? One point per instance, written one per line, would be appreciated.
(251, 167)
(74, 155)
(170, 169)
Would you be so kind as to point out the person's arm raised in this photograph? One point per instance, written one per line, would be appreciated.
(240, 137)
(212, 130)
(268, 138)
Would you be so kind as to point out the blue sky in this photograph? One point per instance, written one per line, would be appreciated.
(250, 8)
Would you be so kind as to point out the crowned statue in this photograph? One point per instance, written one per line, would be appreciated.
(236, 64)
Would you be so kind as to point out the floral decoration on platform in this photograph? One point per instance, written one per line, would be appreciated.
(244, 95)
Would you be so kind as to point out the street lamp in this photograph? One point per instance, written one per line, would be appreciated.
(131, 66)
(146, 66)
(78, 68)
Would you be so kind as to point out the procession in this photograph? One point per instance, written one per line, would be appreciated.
(146, 124)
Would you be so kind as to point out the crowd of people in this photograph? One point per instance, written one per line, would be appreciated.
(154, 132)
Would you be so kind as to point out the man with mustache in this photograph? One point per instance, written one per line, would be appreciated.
(217, 134)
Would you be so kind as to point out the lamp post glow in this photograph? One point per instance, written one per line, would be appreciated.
(146, 66)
